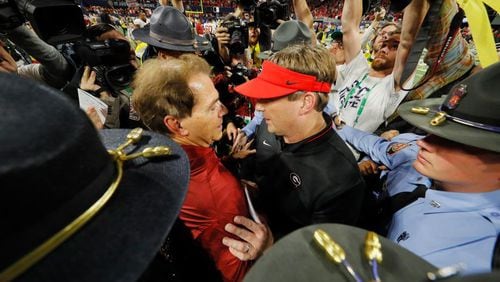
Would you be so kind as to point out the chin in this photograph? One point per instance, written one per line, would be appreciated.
(381, 65)
(270, 128)
(217, 137)
(421, 168)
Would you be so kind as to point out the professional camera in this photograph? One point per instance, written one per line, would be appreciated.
(238, 32)
(267, 13)
(110, 60)
(67, 26)
(240, 73)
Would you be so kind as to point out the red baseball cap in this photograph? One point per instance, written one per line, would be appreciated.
(276, 81)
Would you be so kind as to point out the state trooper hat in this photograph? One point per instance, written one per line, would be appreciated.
(169, 29)
(76, 205)
(469, 114)
(288, 33)
(322, 252)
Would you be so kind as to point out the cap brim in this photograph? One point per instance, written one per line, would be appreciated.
(122, 239)
(142, 34)
(449, 129)
(261, 89)
(297, 257)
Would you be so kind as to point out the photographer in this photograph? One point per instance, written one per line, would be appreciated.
(53, 69)
(108, 64)
(256, 39)
(268, 15)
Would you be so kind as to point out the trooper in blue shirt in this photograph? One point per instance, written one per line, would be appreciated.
(397, 155)
(457, 220)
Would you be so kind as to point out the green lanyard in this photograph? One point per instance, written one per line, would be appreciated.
(363, 101)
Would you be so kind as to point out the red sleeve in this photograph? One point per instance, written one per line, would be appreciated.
(211, 203)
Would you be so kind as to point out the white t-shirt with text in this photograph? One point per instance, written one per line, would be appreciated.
(365, 102)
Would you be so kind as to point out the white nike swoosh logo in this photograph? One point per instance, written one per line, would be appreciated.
(265, 143)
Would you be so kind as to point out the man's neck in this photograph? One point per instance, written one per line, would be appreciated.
(182, 140)
(306, 129)
(380, 73)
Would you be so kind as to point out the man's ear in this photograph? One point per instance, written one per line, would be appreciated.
(174, 125)
(162, 54)
(308, 102)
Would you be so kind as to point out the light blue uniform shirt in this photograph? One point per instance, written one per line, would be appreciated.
(447, 228)
(251, 127)
(397, 155)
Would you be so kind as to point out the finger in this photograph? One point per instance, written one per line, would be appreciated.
(362, 168)
(363, 171)
(243, 154)
(237, 254)
(239, 232)
(237, 245)
(242, 256)
(86, 72)
(248, 144)
(239, 249)
(92, 77)
(236, 140)
(234, 147)
(248, 223)
(382, 167)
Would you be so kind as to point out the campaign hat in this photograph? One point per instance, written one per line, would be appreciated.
(72, 207)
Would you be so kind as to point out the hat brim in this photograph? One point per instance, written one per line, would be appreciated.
(261, 89)
(122, 239)
(296, 257)
(265, 55)
(142, 34)
(449, 129)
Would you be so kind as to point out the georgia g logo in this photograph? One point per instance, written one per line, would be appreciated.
(295, 179)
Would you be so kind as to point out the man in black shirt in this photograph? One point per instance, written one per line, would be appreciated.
(305, 172)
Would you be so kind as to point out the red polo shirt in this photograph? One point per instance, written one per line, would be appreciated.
(214, 198)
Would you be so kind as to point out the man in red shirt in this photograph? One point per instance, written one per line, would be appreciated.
(178, 98)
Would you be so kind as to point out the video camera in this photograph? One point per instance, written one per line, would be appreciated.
(238, 32)
(110, 60)
(267, 13)
(67, 26)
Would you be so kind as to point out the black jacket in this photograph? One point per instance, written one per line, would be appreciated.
(314, 181)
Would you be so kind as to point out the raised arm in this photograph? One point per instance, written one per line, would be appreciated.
(414, 15)
(351, 18)
(304, 15)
